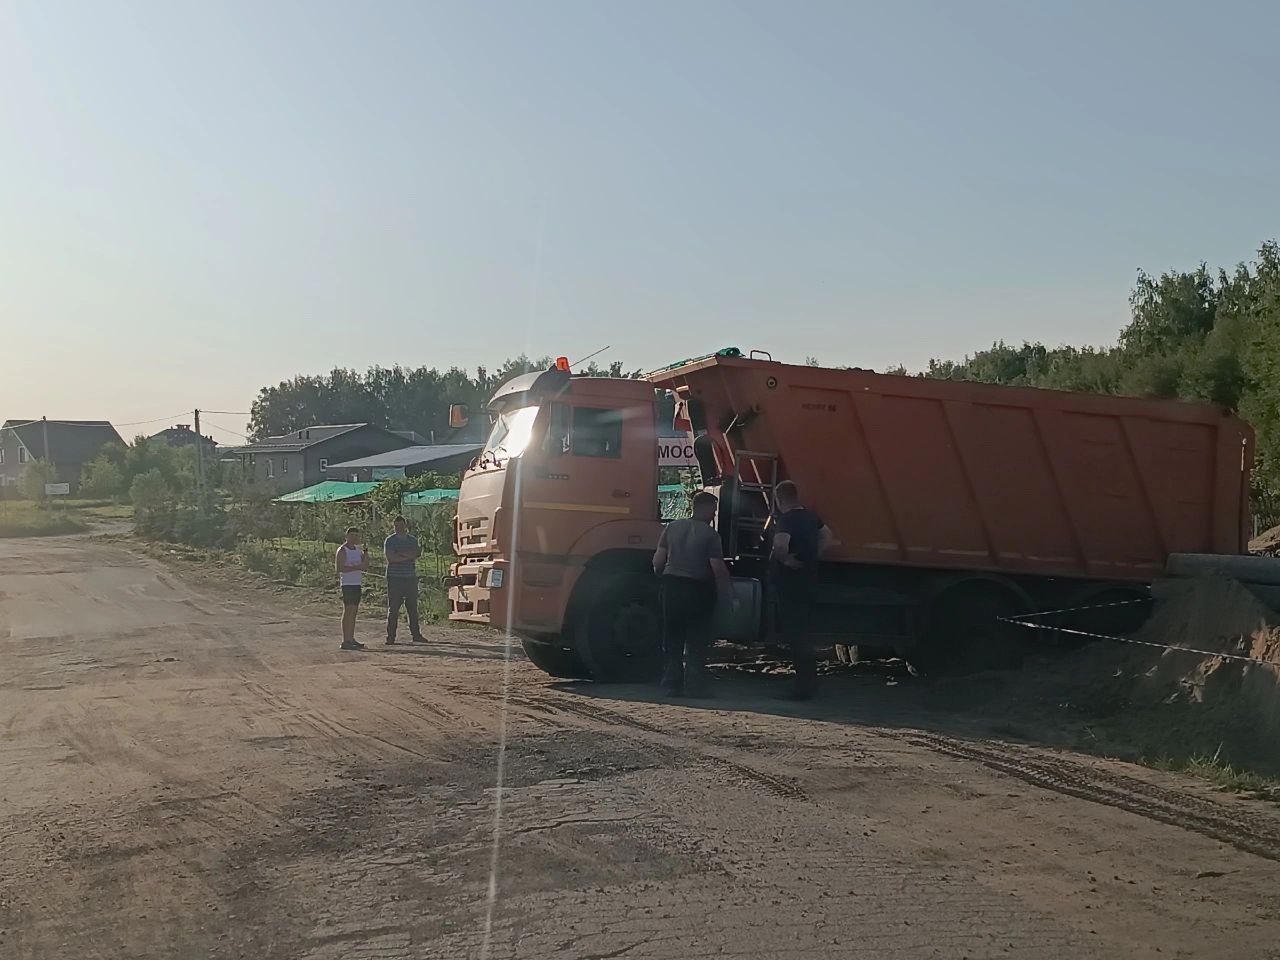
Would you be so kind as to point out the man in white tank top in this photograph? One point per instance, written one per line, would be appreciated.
(351, 561)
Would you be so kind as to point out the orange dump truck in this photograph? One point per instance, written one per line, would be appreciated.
(955, 504)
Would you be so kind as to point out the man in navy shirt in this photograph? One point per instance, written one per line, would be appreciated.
(402, 552)
(799, 540)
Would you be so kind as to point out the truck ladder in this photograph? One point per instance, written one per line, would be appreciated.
(754, 475)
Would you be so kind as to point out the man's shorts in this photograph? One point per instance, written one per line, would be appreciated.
(350, 595)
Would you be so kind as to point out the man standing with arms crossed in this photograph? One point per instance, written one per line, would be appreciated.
(690, 561)
(351, 561)
(402, 552)
(800, 538)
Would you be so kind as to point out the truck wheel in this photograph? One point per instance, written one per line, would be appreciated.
(964, 632)
(617, 633)
(554, 660)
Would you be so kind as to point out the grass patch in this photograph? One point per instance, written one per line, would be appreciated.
(31, 518)
(40, 527)
(1222, 775)
(26, 518)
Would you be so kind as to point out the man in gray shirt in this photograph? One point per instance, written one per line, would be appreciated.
(402, 552)
(690, 561)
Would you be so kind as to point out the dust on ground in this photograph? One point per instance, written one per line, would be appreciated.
(193, 770)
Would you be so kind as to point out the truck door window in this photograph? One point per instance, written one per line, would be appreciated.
(597, 432)
(557, 441)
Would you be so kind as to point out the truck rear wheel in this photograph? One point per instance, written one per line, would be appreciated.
(554, 660)
(617, 632)
(964, 631)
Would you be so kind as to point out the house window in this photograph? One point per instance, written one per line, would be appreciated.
(324, 464)
(1, 454)
(271, 468)
(24, 455)
(284, 464)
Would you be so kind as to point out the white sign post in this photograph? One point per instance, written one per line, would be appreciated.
(57, 489)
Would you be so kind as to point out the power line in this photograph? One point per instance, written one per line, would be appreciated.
(98, 423)
(130, 423)
(226, 429)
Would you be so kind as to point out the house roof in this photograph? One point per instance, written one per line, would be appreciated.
(70, 441)
(411, 456)
(300, 439)
(327, 491)
(413, 436)
(182, 433)
(438, 495)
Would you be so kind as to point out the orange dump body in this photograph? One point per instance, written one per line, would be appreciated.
(941, 474)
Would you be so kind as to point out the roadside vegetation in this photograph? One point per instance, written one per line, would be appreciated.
(54, 516)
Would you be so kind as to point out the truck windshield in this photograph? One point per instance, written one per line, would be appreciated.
(511, 433)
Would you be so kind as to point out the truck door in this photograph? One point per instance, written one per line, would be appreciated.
(606, 454)
(597, 464)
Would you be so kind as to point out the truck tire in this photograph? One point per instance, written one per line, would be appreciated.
(617, 633)
(963, 631)
(554, 660)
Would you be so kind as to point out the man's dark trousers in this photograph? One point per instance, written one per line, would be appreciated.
(402, 590)
(687, 610)
(795, 592)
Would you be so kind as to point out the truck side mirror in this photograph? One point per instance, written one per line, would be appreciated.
(459, 416)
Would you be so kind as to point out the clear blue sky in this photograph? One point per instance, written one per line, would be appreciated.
(199, 199)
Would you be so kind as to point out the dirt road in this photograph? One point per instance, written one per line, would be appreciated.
(191, 772)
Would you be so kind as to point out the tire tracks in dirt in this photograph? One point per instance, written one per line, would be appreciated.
(783, 788)
(1259, 835)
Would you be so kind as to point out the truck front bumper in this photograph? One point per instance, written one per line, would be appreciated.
(475, 588)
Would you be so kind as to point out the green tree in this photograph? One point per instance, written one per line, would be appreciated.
(150, 491)
(395, 398)
(102, 477)
(37, 474)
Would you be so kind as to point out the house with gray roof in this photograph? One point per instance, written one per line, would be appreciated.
(407, 462)
(302, 458)
(67, 444)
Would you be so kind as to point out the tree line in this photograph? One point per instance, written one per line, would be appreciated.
(395, 398)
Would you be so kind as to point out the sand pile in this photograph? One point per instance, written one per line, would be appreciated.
(1222, 616)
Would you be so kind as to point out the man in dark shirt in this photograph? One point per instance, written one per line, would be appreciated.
(402, 552)
(690, 561)
(799, 539)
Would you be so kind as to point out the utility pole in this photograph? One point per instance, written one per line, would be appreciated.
(44, 425)
(199, 458)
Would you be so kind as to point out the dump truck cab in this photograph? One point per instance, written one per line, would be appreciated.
(558, 519)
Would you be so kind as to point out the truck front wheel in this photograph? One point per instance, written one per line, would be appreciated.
(553, 659)
(617, 632)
